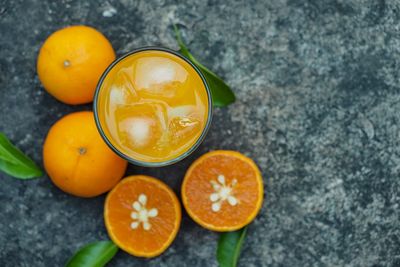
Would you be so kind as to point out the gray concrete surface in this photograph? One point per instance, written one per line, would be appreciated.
(317, 84)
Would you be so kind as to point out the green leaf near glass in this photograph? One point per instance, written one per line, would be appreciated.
(229, 247)
(221, 93)
(15, 163)
(96, 254)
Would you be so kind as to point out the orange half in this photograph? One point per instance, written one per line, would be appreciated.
(142, 216)
(223, 190)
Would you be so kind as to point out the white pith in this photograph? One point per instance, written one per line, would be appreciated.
(141, 214)
(222, 192)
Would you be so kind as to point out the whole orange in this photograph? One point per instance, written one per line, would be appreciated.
(77, 159)
(71, 62)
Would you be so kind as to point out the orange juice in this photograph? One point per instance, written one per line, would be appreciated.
(152, 107)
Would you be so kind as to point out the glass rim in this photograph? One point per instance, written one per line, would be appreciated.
(125, 156)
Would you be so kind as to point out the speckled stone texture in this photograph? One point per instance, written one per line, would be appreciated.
(317, 84)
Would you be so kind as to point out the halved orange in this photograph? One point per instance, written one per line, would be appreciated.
(223, 190)
(142, 215)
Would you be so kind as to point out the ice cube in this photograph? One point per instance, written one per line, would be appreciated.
(183, 128)
(159, 76)
(185, 121)
(125, 79)
(117, 95)
(181, 111)
(138, 130)
(197, 110)
(122, 90)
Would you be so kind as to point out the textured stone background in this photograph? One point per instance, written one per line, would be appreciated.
(318, 109)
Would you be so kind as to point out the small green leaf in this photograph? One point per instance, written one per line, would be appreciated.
(221, 94)
(229, 246)
(15, 163)
(96, 254)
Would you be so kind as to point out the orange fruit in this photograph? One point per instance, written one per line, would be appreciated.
(71, 62)
(223, 190)
(77, 159)
(142, 215)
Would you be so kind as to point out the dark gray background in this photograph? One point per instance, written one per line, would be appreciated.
(317, 84)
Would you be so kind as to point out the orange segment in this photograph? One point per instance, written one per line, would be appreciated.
(223, 190)
(142, 215)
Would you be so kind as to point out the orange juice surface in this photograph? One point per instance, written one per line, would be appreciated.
(152, 106)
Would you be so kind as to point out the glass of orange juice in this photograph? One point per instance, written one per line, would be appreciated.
(153, 107)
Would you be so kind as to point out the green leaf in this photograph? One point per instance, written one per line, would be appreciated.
(229, 246)
(95, 254)
(15, 163)
(221, 94)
